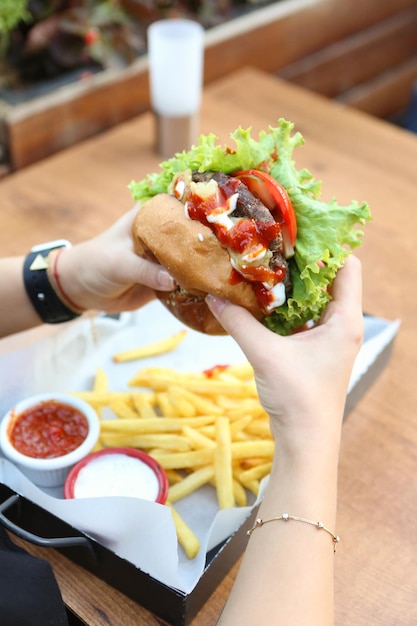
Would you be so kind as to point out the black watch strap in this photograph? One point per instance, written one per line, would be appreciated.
(45, 301)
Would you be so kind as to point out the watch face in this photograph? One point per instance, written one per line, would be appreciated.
(51, 245)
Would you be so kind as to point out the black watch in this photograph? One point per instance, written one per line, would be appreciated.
(45, 301)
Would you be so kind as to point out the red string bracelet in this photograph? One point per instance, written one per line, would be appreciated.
(62, 293)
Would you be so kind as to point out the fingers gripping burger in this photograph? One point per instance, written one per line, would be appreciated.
(245, 225)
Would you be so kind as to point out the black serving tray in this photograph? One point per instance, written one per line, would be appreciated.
(32, 523)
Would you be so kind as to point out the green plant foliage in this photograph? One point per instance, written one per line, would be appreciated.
(11, 13)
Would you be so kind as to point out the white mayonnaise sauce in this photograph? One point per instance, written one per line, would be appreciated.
(179, 188)
(221, 219)
(277, 294)
(256, 253)
(116, 475)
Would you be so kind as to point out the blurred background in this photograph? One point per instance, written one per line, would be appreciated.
(87, 59)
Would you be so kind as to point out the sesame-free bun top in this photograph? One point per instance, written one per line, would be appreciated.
(194, 257)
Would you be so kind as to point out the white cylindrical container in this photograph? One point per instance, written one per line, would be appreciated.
(176, 62)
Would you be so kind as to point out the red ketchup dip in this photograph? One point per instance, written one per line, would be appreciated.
(48, 430)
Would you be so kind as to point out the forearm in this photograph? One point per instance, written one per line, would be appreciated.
(16, 310)
(287, 572)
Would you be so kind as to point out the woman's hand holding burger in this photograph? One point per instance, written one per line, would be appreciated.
(101, 274)
(287, 571)
(105, 274)
(292, 371)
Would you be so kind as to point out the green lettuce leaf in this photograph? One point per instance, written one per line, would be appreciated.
(326, 232)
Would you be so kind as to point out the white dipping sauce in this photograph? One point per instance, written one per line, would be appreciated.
(116, 475)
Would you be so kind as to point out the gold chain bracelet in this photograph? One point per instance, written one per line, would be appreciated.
(286, 517)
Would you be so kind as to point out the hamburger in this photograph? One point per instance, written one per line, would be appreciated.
(246, 225)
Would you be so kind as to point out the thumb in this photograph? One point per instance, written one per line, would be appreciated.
(245, 329)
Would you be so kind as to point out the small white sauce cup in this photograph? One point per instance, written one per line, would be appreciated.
(118, 472)
(50, 472)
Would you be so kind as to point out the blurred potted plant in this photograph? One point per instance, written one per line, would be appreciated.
(40, 39)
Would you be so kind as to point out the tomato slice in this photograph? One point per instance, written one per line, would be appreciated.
(275, 197)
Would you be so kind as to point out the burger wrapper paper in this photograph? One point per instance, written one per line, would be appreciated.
(137, 530)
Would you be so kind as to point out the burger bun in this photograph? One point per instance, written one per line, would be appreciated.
(195, 259)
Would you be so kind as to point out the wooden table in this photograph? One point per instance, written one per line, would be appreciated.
(82, 190)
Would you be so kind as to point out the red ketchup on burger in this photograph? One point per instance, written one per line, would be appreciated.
(251, 215)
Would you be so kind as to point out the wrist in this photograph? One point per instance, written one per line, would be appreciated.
(60, 283)
(41, 287)
(304, 485)
(309, 432)
(306, 464)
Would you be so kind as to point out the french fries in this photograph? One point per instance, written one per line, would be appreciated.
(100, 383)
(151, 349)
(204, 428)
(191, 483)
(186, 538)
(223, 464)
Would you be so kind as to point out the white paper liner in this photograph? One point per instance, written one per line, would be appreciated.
(139, 531)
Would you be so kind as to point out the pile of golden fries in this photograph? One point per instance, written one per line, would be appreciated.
(202, 427)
